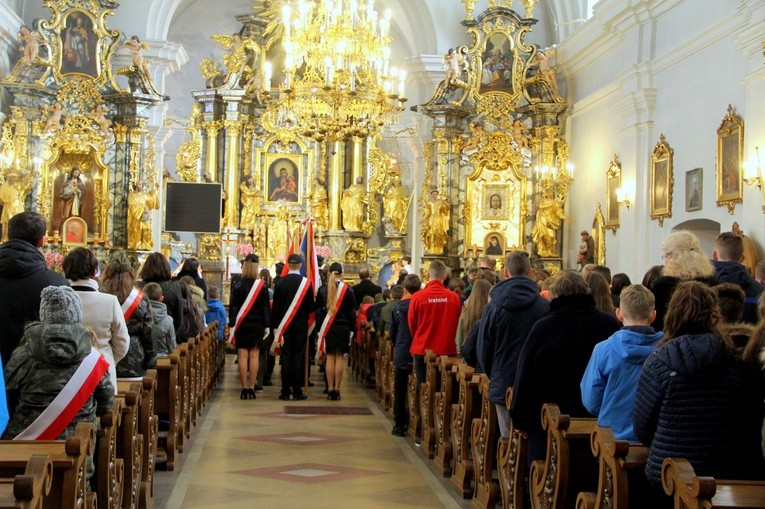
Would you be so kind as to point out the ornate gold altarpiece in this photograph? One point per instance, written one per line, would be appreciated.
(496, 153)
(77, 137)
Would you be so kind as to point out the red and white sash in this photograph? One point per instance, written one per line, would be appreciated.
(131, 303)
(292, 310)
(245, 309)
(342, 289)
(65, 406)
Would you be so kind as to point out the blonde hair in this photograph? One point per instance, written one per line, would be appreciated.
(473, 309)
(250, 270)
(636, 302)
(684, 258)
(332, 293)
(601, 292)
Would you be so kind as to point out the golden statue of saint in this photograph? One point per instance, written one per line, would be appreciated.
(435, 224)
(248, 196)
(548, 221)
(13, 192)
(140, 204)
(352, 205)
(317, 198)
(396, 203)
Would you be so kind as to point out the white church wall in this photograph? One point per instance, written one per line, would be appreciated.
(658, 79)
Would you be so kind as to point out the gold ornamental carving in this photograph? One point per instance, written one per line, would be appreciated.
(209, 247)
(190, 152)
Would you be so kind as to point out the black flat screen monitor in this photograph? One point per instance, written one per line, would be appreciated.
(193, 207)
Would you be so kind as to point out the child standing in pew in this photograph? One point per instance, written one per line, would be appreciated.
(50, 353)
(216, 311)
(163, 330)
(609, 382)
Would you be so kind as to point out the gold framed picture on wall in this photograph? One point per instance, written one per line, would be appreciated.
(730, 154)
(613, 184)
(495, 202)
(283, 179)
(693, 189)
(662, 181)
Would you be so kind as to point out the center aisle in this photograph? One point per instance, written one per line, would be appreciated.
(262, 453)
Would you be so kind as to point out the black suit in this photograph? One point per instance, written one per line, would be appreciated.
(364, 288)
(296, 335)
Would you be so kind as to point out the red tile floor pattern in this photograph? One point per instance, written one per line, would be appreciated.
(309, 473)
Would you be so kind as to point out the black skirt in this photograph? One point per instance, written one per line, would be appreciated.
(338, 340)
(249, 336)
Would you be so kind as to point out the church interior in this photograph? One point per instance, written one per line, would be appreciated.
(438, 130)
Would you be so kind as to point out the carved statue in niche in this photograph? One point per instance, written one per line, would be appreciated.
(353, 204)
(248, 196)
(71, 197)
(317, 198)
(396, 202)
(435, 223)
(13, 192)
(139, 221)
(548, 221)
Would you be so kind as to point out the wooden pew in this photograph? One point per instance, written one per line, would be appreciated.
(468, 407)
(130, 442)
(391, 387)
(484, 450)
(511, 464)
(413, 405)
(442, 413)
(692, 492)
(569, 466)
(184, 420)
(193, 374)
(30, 489)
(148, 427)
(427, 400)
(621, 478)
(379, 374)
(387, 374)
(370, 349)
(167, 404)
(110, 470)
(69, 461)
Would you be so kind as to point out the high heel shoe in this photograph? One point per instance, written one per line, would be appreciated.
(251, 394)
(243, 394)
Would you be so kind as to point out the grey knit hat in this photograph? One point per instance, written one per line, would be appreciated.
(60, 304)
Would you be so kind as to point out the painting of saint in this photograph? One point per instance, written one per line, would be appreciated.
(79, 53)
(660, 203)
(74, 231)
(497, 71)
(613, 205)
(73, 197)
(494, 245)
(730, 185)
(494, 206)
(283, 180)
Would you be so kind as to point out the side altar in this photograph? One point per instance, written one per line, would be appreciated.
(75, 147)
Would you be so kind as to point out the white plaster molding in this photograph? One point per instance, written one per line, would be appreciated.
(9, 26)
(594, 100)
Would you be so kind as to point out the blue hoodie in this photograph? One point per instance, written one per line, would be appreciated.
(216, 311)
(610, 380)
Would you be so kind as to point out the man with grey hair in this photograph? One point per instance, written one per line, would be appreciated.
(365, 286)
(514, 307)
(433, 316)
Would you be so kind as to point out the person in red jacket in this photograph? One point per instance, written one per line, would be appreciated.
(433, 316)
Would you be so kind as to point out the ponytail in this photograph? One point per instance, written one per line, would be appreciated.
(332, 293)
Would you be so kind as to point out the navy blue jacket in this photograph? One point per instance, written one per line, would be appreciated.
(400, 335)
(552, 362)
(284, 292)
(732, 272)
(514, 308)
(694, 401)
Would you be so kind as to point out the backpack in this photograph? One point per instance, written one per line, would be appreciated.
(191, 324)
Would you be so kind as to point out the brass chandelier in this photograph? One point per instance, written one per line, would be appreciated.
(338, 80)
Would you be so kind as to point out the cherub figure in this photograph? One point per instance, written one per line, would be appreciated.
(104, 123)
(236, 59)
(31, 40)
(519, 135)
(54, 121)
(137, 48)
(453, 64)
(543, 63)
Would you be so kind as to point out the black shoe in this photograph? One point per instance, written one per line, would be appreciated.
(398, 431)
(284, 397)
(300, 397)
(337, 395)
(267, 383)
(258, 388)
(310, 383)
(326, 390)
(243, 394)
(251, 394)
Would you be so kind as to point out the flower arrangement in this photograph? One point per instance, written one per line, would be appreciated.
(243, 250)
(324, 251)
(54, 261)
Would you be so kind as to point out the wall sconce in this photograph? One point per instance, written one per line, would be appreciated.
(753, 171)
(621, 197)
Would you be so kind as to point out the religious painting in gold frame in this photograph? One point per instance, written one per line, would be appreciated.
(694, 189)
(283, 180)
(662, 181)
(79, 45)
(730, 154)
(498, 59)
(74, 232)
(494, 244)
(613, 183)
(495, 201)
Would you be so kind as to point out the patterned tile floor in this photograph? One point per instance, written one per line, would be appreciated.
(249, 454)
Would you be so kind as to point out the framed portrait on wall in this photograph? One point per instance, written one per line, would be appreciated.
(693, 189)
(730, 155)
(79, 45)
(75, 232)
(613, 184)
(283, 180)
(495, 205)
(494, 244)
(662, 181)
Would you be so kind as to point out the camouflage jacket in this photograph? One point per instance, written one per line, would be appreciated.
(163, 331)
(40, 367)
(141, 355)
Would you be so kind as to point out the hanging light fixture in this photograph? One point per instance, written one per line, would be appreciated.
(339, 83)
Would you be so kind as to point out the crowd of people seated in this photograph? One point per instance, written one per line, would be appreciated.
(675, 363)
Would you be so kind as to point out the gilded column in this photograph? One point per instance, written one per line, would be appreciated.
(211, 163)
(233, 130)
(336, 184)
(358, 158)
